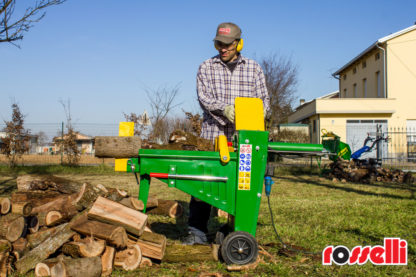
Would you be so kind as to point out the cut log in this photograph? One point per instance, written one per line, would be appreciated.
(86, 248)
(22, 208)
(4, 264)
(42, 269)
(61, 203)
(152, 202)
(115, 194)
(44, 182)
(37, 238)
(12, 226)
(20, 247)
(111, 212)
(169, 208)
(85, 267)
(5, 205)
(130, 258)
(117, 147)
(87, 196)
(177, 253)
(113, 235)
(152, 245)
(107, 261)
(133, 203)
(146, 262)
(48, 246)
(32, 223)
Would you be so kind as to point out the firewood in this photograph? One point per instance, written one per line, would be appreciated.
(169, 208)
(113, 235)
(44, 182)
(48, 246)
(37, 238)
(111, 212)
(133, 203)
(4, 264)
(85, 267)
(20, 247)
(117, 147)
(22, 208)
(42, 269)
(146, 262)
(177, 253)
(12, 226)
(222, 214)
(115, 194)
(129, 259)
(152, 245)
(86, 248)
(87, 195)
(36, 198)
(107, 261)
(152, 202)
(5, 205)
(60, 203)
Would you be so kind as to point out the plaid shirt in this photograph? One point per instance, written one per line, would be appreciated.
(218, 87)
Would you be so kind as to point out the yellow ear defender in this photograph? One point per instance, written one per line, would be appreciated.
(239, 46)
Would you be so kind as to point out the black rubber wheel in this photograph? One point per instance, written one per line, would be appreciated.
(219, 237)
(239, 248)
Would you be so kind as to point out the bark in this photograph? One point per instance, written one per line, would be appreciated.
(87, 196)
(44, 182)
(152, 245)
(85, 267)
(48, 246)
(37, 238)
(60, 203)
(36, 198)
(22, 208)
(113, 235)
(177, 253)
(115, 194)
(169, 208)
(20, 247)
(117, 147)
(5, 205)
(133, 203)
(129, 259)
(107, 261)
(107, 211)
(12, 226)
(86, 248)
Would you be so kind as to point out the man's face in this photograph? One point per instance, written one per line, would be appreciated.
(228, 52)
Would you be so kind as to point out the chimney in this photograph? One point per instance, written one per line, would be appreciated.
(301, 102)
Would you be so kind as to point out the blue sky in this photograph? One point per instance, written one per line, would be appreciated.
(102, 55)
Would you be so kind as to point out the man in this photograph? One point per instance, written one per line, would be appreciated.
(220, 80)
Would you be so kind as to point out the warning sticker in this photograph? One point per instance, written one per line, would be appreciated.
(244, 170)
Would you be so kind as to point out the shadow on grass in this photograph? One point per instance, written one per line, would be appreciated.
(347, 189)
(6, 187)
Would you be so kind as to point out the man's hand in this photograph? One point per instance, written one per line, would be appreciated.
(229, 113)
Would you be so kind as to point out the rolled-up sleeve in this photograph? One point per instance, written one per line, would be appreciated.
(206, 96)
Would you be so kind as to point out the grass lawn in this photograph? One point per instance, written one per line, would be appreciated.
(310, 213)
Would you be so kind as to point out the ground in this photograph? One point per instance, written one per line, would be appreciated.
(310, 213)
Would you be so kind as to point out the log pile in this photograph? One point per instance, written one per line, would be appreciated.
(351, 171)
(58, 227)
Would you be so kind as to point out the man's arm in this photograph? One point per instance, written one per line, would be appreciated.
(261, 89)
(206, 97)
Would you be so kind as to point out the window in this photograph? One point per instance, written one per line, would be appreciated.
(345, 93)
(364, 64)
(365, 87)
(377, 56)
(354, 70)
(378, 86)
(355, 90)
(314, 126)
(344, 76)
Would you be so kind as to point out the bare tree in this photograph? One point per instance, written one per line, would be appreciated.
(141, 123)
(281, 81)
(42, 138)
(162, 101)
(16, 142)
(13, 26)
(68, 143)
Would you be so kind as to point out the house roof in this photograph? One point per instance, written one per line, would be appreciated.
(334, 94)
(374, 45)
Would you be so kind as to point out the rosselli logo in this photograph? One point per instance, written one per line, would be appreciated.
(394, 252)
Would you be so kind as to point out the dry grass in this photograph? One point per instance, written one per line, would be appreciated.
(35, 159)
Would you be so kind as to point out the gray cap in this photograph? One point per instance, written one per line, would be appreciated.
(228, 32)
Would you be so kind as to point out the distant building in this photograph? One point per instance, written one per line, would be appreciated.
(32, 143)
(85, 144)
